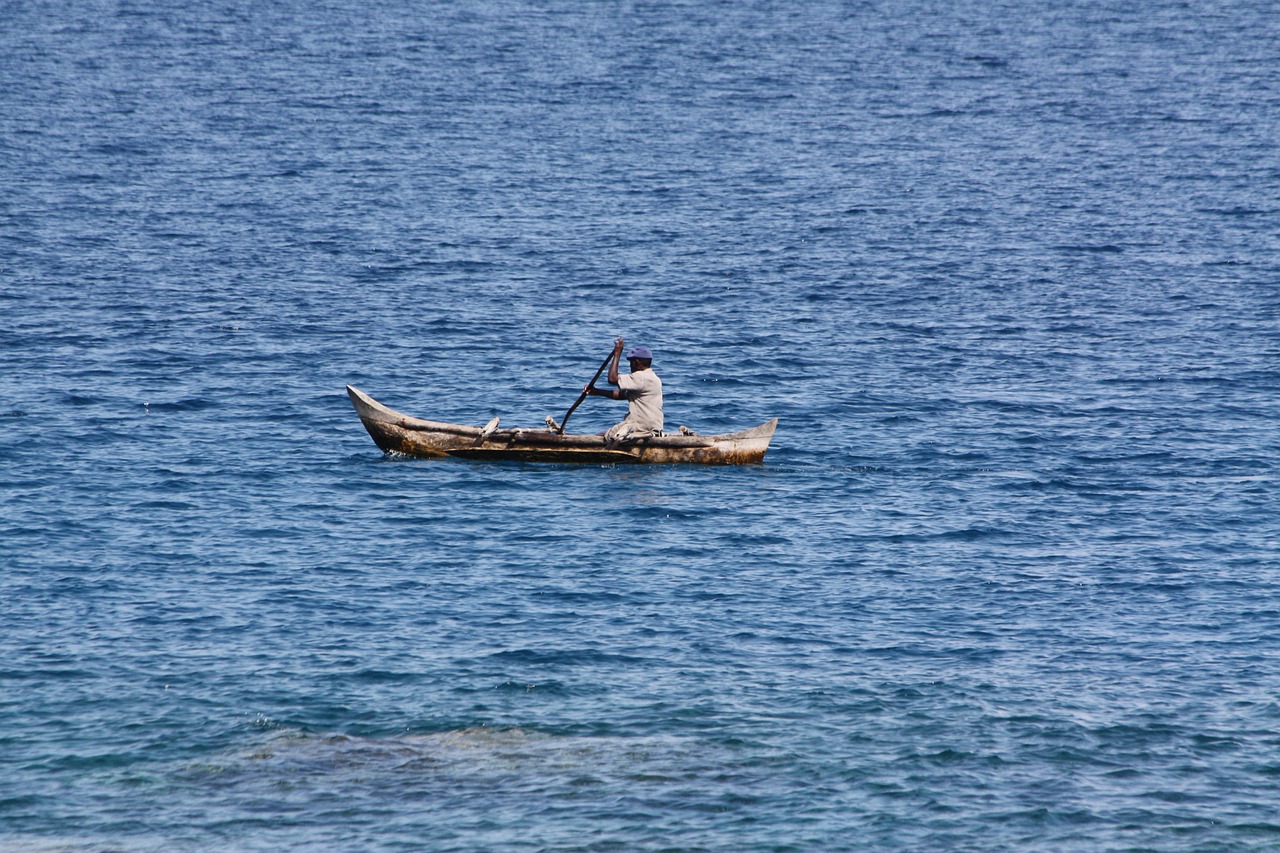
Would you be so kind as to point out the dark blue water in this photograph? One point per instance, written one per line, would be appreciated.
(1008, 273)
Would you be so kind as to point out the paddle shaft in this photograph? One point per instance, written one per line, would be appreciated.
(583, 395)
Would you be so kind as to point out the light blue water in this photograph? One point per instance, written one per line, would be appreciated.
(1008, 275)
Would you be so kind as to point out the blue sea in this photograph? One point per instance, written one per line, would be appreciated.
(1008, 274)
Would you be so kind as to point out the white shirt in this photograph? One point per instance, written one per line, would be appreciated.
(643, 390)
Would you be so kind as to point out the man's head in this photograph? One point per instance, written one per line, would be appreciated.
(640, 358)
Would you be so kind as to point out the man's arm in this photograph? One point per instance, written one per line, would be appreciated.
(611, 393)
(613, 365)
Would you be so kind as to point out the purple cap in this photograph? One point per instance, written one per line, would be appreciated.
(640, 352)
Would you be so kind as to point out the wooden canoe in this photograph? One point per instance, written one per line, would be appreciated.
(399, 433)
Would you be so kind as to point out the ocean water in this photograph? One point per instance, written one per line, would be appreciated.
(1008, 273)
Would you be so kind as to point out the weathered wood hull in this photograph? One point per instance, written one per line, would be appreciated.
(399, 433)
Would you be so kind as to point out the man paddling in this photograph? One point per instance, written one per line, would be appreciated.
(641, 388)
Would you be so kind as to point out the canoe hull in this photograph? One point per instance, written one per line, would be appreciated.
(395, 432)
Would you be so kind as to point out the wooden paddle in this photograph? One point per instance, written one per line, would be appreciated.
(583, 395)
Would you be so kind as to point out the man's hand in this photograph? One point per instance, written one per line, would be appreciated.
(618, 345)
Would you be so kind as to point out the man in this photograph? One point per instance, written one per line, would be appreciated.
(641, 388)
